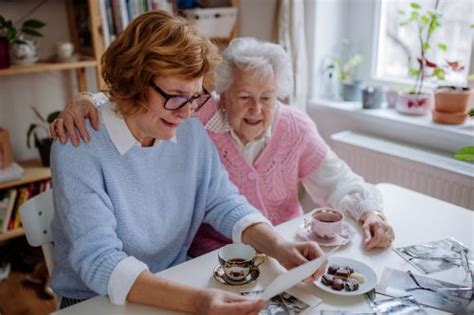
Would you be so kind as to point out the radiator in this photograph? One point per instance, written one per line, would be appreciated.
(427, 171)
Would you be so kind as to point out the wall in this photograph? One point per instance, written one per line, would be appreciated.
(47, 91)
(257, 18)
(329, 27)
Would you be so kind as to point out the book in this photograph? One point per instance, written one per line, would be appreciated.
(9, 203)
(105, 22)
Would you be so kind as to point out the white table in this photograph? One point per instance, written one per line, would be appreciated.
(415, 217)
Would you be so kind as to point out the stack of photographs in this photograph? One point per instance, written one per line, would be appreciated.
(436, 256)
(426, 291)
(281, 304)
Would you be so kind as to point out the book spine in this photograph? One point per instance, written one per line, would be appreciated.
(105, 22)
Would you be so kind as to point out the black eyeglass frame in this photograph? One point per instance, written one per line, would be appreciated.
(190, 100)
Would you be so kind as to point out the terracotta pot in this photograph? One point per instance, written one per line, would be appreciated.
(449, 118)
(414, 104)
(452, 101)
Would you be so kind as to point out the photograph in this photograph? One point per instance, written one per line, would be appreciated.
(283, 303)
(435, 256)
(426, 291)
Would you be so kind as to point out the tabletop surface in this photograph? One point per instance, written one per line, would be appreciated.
(415, 217)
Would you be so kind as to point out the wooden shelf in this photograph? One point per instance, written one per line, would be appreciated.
(48, 66)
(33, 172)
(12, 234)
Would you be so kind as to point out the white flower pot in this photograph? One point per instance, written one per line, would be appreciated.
(414, 104)
(24, 54)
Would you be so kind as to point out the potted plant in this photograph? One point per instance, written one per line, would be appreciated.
(417, 102)
(11, 39)
(466, 153)
(351, 88)
(43, 144)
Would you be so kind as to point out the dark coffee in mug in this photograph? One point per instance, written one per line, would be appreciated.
(236, 261)
(327, 216)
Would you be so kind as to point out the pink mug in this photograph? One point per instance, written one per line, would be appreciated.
(327, 222)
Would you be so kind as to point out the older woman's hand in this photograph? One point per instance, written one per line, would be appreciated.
(215, 301)
(377, 232)
(292, 254)
(72, 119)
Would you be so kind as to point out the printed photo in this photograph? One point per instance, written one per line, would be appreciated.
(426, 291)
(435, 256)
(281, 304)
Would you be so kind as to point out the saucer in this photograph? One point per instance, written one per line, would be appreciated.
(220, 276)
(344, 237)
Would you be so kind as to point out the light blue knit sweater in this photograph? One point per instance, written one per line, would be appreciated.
(147, 203)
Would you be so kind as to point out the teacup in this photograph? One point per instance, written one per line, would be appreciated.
(238, 260)
(327, 222)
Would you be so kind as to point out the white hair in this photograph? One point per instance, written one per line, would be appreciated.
(265, 58)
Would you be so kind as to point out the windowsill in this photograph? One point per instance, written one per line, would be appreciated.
(418, 130)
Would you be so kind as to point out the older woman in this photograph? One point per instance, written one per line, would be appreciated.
(129, 202)
(267, 147)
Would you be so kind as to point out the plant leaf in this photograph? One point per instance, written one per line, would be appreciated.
(465, 154)
(414, 72)
(2, 21)
(439, 73)
(442, 46)
(426, 46)
(415, 5)
(20, 42)
(33, 24)
(31, 32)
(28, 134)
(52, 116)
(425, 20)
(471, 112)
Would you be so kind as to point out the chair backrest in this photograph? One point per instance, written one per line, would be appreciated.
(36, 216)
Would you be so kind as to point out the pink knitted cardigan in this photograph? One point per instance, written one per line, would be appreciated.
(293, 152)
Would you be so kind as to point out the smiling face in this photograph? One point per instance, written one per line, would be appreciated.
(158, 122)
(250, 103)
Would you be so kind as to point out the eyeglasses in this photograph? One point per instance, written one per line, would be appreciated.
(176, 102)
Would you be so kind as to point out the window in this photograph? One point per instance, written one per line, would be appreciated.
(398, 45)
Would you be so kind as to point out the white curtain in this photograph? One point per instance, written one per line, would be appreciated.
(291, 36)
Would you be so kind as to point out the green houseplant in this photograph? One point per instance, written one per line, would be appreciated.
(10, 35)
(451, 102)
(426, 22)
(351, 88)
(42, 143)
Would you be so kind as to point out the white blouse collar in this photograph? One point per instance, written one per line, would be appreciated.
(119, 133)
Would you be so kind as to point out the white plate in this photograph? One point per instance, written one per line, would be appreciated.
(368, 273)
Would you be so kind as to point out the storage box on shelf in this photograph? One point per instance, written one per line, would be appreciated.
(35, 180)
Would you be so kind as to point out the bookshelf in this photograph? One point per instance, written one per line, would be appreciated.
(34, 172)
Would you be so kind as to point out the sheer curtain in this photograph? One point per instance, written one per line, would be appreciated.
(291, 36)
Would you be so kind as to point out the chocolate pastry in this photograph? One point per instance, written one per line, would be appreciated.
(351, 285)
(332, 269)
(343, 273)
(338, 284)
(327, 279)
